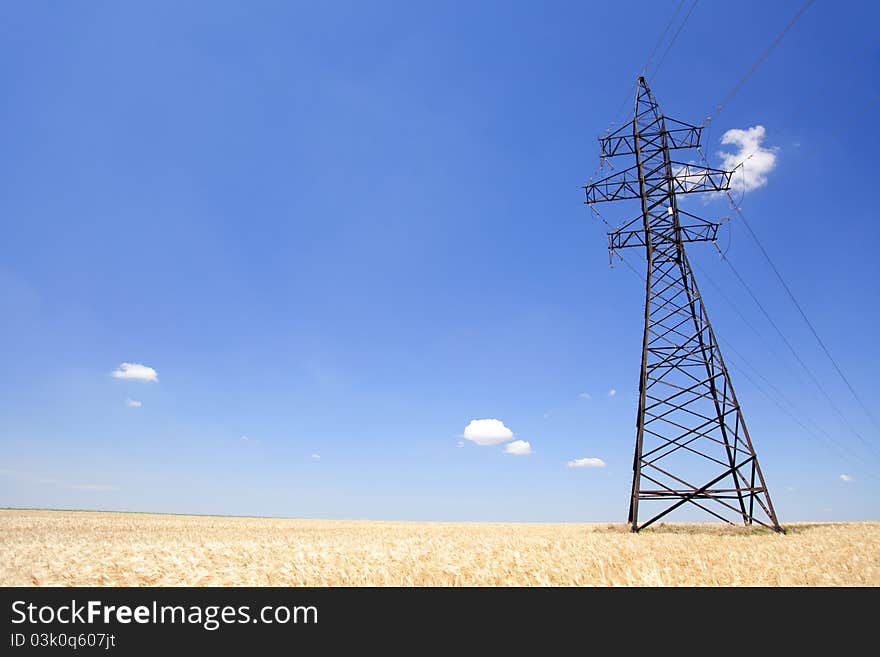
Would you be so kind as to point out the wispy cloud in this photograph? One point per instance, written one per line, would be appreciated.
(518, 448)
(612, 392)
(488, 431)
(847, 478)
(316, 457)
(587, 462)
(754, 160)
(585, 395)
(133, 403)
(29, 478)
(136, 372)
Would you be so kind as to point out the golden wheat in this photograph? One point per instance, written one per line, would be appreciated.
(66, 548)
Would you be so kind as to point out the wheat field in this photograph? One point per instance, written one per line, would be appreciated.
(71, 548)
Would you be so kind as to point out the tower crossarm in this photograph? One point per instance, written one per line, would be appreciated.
(692, 229)
(686, 178)
(689, 178)
(678, 135)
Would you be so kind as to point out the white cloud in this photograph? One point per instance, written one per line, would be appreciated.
(585, 395)
(135, 371)
(487, 432)
(460, 443)
(588, 462)
(757, 161)
(518, 448)
(847, 478)
(612, 392)
(316, 457)
(245, 438)
(133, 403)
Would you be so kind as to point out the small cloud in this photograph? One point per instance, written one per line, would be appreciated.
(460, 444)
(133, 403)
(135, 371)
(790, 489)
(612, 392)
(316, 457)
(518, 448)
(847, 478)
(546, 416)
(754, 160)
(245, 438)
(487, 432)
(589, 462)
(585, 395)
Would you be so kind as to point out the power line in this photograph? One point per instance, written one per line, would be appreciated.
(757, 63)
(763, 378)
(841, 450)
(846, 455)
(674, 37)
(805, 318)
(848, 70)
(776, 271)
(794, 407)
(788, 344)
(798, 358)
(662, 36)
(626, 262)
(835, 135)
(704, 274)
(794, 412)
(789, 292)
(620, 108)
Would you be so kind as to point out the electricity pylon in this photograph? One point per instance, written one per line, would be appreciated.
(692, 445)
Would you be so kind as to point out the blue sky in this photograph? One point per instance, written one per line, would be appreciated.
(348, 230)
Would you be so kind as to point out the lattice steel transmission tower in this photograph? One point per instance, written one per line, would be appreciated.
(692, 445)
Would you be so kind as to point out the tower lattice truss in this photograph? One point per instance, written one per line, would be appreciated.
(692, 445)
